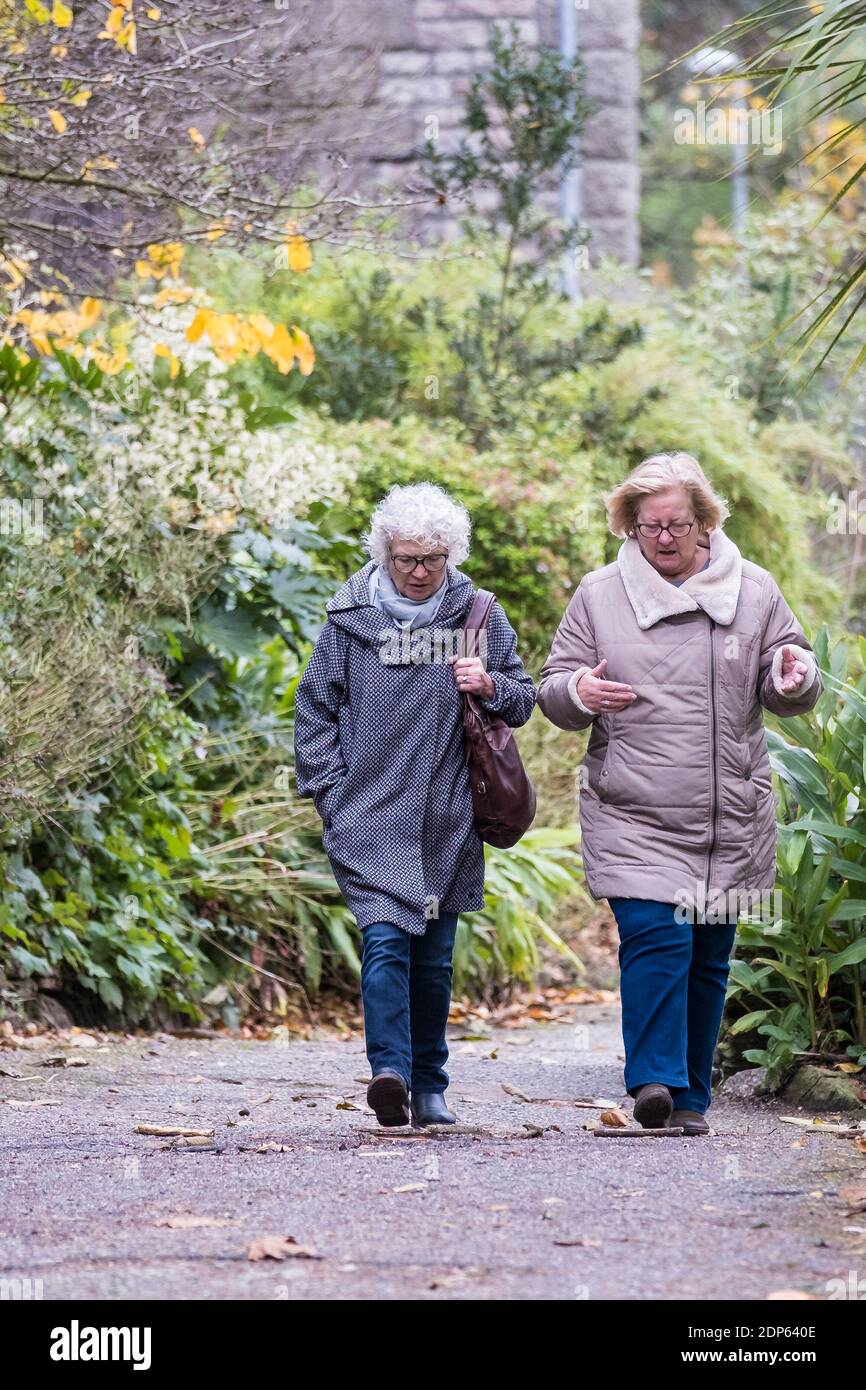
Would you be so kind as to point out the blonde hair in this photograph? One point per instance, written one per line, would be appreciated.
(656, 473)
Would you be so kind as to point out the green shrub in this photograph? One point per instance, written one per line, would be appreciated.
(797, 984)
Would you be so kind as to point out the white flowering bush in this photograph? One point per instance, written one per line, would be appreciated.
(187, 455)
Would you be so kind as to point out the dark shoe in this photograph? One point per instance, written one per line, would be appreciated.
(652, 1106)
(388, 1096)
(692, 1121)
(429, 1108)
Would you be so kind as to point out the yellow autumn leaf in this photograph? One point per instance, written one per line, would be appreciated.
(61, 15)
(304, 349)
(300, 257)
(127, 37)
(90, 309)
(10, 267)
(298, 249)
(81, 98)
(59, 50)
(217, 230)
(113, 24)
(2, 96)
(17, 47)
(166, 257)
(172, 295)
(196, 137)
(110, 362)
(38, 11)
(58, 120)
(122, 4)
(161, 350)
(198, 325)
(154, 13)
(144, 269)
(281, 349)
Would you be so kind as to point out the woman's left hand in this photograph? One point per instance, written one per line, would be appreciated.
(471, 677)
(793, 671)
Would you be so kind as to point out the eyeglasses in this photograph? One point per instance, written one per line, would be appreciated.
(652, 528)
(407, 563)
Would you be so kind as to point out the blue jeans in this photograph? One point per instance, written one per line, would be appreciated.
(673, 978)
(406, 994)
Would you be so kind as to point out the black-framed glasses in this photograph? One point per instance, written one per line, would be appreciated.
(407, 563)
(653, 528)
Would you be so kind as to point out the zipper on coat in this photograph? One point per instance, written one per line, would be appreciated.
(713, 769)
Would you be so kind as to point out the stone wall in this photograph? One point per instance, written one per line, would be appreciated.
(431, 48)
(372, 77)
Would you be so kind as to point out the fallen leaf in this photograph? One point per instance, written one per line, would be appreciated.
(347, 1105)
(64, 1062)
(21, 1104)
(411, 1187)
(579, 1240)
(166, 1131)
(188, 1222)
(280, 1248)
(616, 1118)
(793, 1295)
(272, 1147)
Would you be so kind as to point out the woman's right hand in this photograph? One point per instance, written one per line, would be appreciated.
(601, 696)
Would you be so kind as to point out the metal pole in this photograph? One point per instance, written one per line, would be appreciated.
(739, 173)
(569, 189)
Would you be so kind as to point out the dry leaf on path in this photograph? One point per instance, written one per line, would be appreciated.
(615, 1117)
(792, 1295)
(188, 1222)
(166, 1132)
(22, 1104)
(280, 1248)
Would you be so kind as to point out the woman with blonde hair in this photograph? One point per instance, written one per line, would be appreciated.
(670, 654)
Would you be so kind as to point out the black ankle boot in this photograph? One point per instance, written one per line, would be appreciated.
(388, 1097)
(429, 1108)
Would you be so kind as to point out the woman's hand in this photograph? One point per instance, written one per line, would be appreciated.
(793, 671)
(471, 677)
(601, 696)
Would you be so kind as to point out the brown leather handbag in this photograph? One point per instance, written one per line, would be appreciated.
(503, 796)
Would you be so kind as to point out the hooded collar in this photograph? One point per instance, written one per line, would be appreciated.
(716, 589)
(351, 609)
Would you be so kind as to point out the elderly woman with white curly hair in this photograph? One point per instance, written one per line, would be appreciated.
(379, 746)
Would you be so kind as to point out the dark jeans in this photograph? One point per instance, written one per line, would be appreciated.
(406, 993)
(672, 982)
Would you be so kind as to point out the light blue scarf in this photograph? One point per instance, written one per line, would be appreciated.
(401, 609)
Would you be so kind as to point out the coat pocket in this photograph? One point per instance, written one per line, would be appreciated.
(749, 793)
(606, 770)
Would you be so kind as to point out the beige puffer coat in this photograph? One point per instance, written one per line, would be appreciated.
(676, 802)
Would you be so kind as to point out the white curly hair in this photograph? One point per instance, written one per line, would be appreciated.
(422, 512)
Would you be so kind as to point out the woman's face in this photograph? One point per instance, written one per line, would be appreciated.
(672, 556)
(419, 583)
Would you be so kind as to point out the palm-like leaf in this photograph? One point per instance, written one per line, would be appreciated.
(810, 58)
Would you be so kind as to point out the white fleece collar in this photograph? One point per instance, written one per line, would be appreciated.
(716, 589)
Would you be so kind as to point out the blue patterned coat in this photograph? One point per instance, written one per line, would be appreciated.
(379, 746)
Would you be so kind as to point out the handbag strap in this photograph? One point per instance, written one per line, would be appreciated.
(476, 619)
